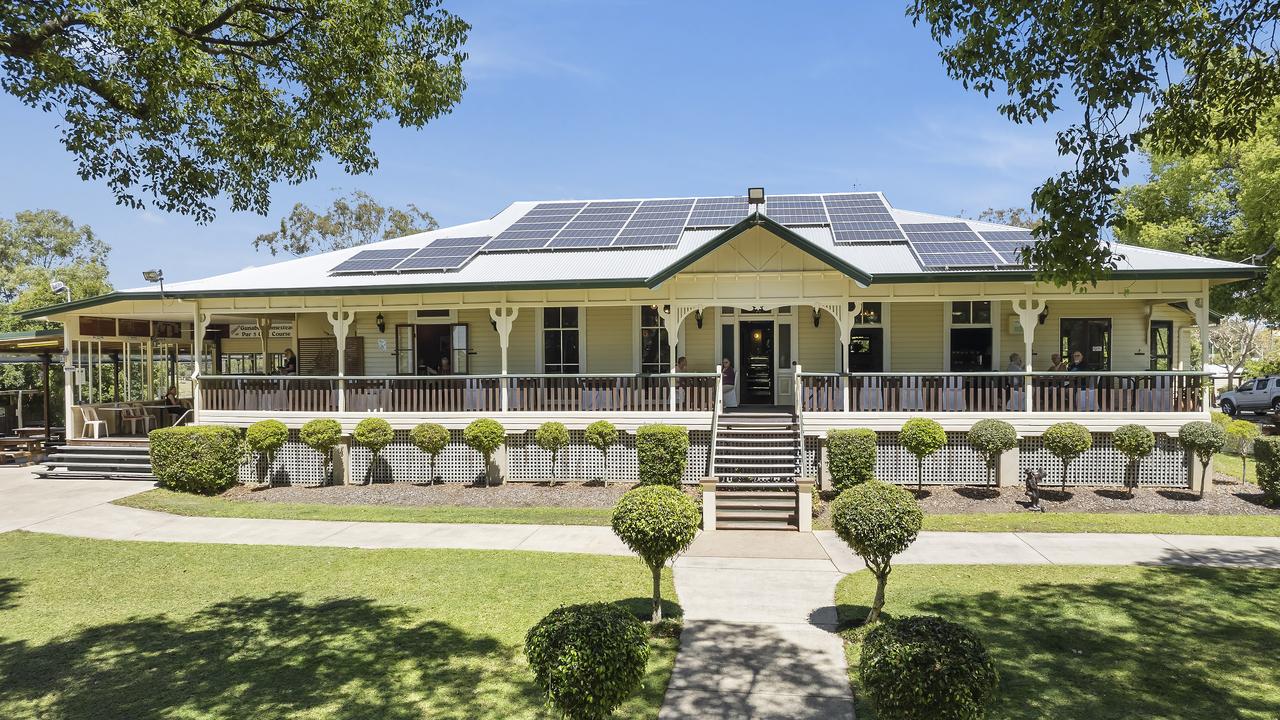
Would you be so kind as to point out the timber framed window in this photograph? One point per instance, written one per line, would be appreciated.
(561, 348)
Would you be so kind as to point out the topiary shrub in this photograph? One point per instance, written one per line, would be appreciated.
(265, 438)
(552, 437)
(601, 435)
(1219, 418)
(1067, 441)
(656, 522)
(991, 439)
(375, 434)
(926, 668)
(322, 435)
(485, 436)
(587, 659)
(851, 457)
(877, 520)
(1204, 440)
(1135, 442)
(1266, 455)
(432, 439)
(1240, 437)
(661, 451)
(921, 437)
(200, 459)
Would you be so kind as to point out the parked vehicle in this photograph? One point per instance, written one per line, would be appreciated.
(1260, 395)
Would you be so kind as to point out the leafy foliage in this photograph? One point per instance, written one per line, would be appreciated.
(992, 438)
(662, 451)
(485, 436)
(1204, 440)
(356, 219)
(187, 101)
(1134, 442)
(1067, 441)
(926, 668)
(1241, 435)
(373, 433)
(266, 436)
(201, 459)
(602, 435)
(588, 659)
(851, 456)
(1266, 451)
(1116, 59)
(432, 439)
(322, 435)
(656, 522)
(553, 437)
(878, 521)
(921, 437)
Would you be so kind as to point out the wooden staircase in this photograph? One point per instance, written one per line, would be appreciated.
(756, 458)
(99, 461)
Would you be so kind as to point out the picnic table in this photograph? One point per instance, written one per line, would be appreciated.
(19, 449)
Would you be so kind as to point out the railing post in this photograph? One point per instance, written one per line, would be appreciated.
(341, 321)
(846, 390)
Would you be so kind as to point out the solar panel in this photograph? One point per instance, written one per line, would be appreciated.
(860, 217)
(718, 211)
(540, 223)
(949, 245)
(373, 260)
(655, 222)
(1009, 243)
(797, 209)
(596, 225)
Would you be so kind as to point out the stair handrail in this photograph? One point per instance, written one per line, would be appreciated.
(798, 393)
(715, 427)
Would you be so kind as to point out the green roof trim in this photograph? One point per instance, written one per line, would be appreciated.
(30, 334)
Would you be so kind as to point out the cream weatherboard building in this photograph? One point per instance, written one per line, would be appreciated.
(836, 310)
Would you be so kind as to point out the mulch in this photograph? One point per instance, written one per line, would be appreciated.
(569, 494)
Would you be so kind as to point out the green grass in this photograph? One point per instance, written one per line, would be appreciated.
(187, 504)
(1168, 524)
(1104, 643)
(100, 629)
(1230, 465)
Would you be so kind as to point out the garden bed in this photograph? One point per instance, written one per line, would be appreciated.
(507, 495)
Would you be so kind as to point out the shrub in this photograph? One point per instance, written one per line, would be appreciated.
(926, 668)
(322, 435)
(662, 451)
(552, 437)
(1266, 454)
(265, 438)
(485, 436)
(1204, 440)
(1219, 418)
(601, 435)
(375, 434)
(201, 459)
(1067, 441)
(1135, 442)
(877, 520)
(1240, 436)
(851, 457)
(991, 439)
(587, 659)
(921, 437)
(656, 522)
(432, 439)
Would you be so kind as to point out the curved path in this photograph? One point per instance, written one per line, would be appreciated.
(758, 638)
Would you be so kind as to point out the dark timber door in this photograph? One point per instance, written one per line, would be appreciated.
(866, 350)
(756, 362)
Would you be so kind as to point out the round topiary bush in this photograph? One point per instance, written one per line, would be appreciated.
(877, 520)
(1067, 441)
(991, 439)
(265, 438)
(552, 437)
(851, 457)
(926, 668)
(432, 439)
(587, 659)
(601, 435)
(322, 435)
(662, 451)
(1134, 442)
(485, 436)
(1204, 440)
(375, 434)
(921, 437)
(656, 522)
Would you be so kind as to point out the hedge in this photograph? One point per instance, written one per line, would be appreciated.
(851, 457)
(1266, 454)
(587, 659)
(201, 459)
(662, 451)
(926, 668)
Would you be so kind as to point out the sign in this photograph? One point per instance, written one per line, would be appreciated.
(279, 329)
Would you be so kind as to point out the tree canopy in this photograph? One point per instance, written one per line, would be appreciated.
(352, 220)
(38, 247)
(1175, 77)
(179, 102)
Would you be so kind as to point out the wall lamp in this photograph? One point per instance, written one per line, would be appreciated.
(697, 317)
(817, 317)
(381, 322)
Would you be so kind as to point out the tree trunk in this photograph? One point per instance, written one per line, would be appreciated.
(657, 594)
(1065, 466)
(919, 473)
(604, 475)
(878, 603)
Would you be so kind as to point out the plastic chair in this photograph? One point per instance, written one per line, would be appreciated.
(133, 414)
(91, 420)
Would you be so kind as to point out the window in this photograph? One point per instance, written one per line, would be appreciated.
(971, 345)
(248, 363)
(1246, 386)
(870, 314)
(1161, 345)
(560, 349)
(404, 350)
(1262, 384)
(784, 346)
(1091, 337)
(653, 342)
(975, 312)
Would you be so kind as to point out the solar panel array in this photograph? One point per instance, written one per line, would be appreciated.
(439, 254)
(860, 217)
(1009, 243)
(712, 212)
(949, 245)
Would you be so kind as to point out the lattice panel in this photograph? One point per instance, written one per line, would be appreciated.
(580, 461)
(1102, 464)
(293, 464)
(809, 468)
(401, 461)
(955, 464)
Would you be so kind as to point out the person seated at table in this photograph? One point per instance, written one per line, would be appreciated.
(729, 379)
(1015, 363)
(290, 364)
(1056, 364)
(173, 404)
(1077, 362)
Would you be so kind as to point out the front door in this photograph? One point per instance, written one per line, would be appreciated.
(1091, 337)
(756, 362)
(866, 350)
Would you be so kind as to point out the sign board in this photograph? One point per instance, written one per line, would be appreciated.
(279, 329)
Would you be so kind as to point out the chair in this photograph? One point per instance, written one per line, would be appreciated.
(91, 420)
(133, 414)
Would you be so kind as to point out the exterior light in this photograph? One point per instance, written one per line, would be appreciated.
(153, 275)
(755, 196)
(817, 317)
(60, 287)
(381, 322)
(697, 317)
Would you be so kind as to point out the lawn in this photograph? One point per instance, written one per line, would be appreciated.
(1167, 524)
(1224, 464)
(1103, 642)
(100, 629)
(187, 504)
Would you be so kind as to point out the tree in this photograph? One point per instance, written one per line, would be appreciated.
(1178, 77)
(186, 101)
(354, 219)
(322, 435)
(992, 438)
(921, 437)
(485, 436)
(1134, 442)
(432, 439)
(265, 438)
(1067, 441)
(553, 437)
(877, 520)
(1015, 216)
(657, 522)
(1204, 440)
(587, 659)
(1240, 436)
(1236, 341)
(601, 435)
(375, 434)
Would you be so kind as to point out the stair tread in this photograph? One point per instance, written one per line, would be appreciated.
(754, 525)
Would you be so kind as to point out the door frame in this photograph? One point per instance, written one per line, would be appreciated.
(771, 325)
(794, 317)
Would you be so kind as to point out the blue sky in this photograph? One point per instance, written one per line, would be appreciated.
(571, 99)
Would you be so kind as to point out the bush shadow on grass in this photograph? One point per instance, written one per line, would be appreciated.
(978, 493)
(277, 656)
(642, 608)
(10, 588)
